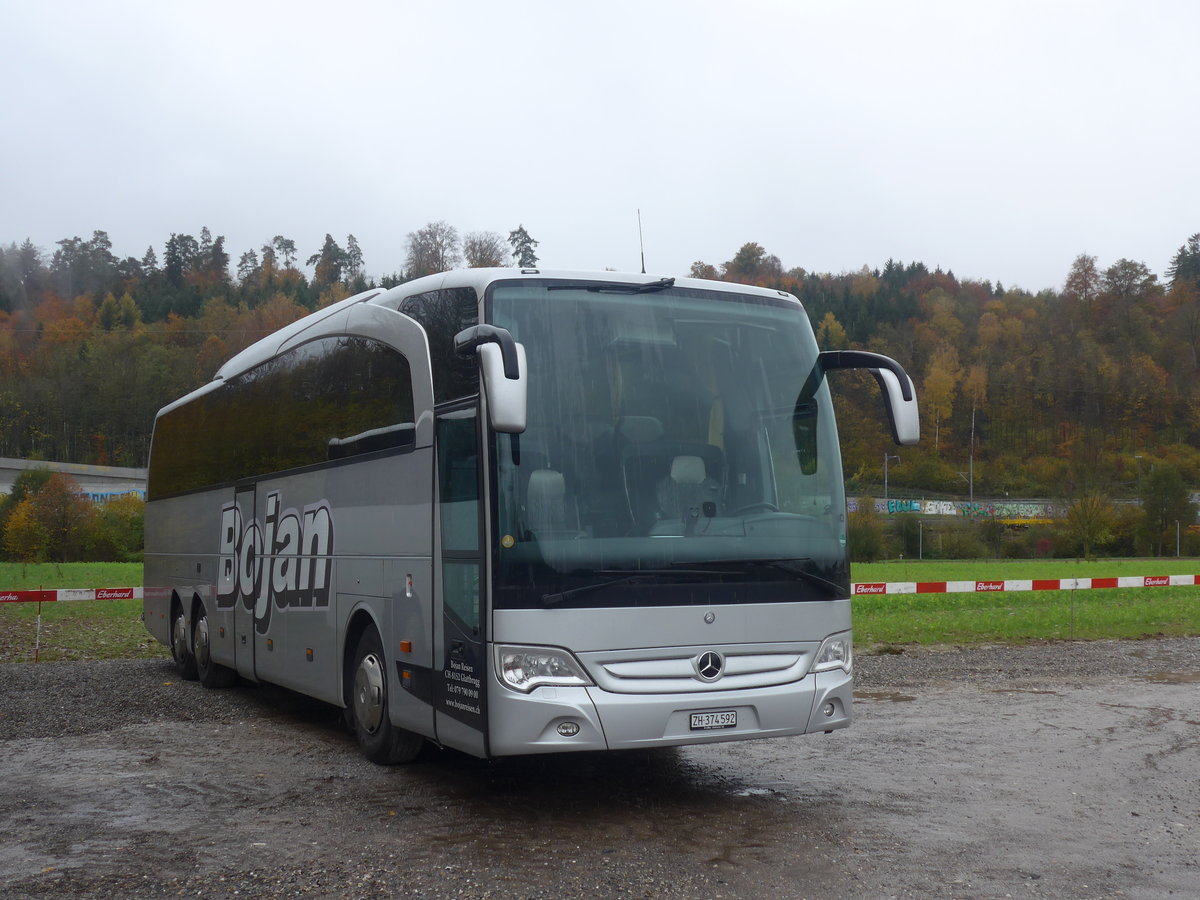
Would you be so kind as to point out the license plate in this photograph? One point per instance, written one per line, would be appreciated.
(707, 721)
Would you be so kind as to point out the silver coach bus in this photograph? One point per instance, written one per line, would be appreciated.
(513, 511)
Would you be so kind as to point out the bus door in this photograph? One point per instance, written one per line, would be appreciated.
(232, 576)
(460, 659)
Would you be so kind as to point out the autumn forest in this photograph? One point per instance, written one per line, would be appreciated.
(1057, 394)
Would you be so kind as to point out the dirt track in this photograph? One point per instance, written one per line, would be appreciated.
(980, 774)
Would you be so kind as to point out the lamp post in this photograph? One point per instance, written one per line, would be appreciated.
(886, 458)
(971, 461)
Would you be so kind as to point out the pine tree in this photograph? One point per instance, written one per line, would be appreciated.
(286, 249)
(523, 246)
(1185, 265)
(353, 260)
(328, 262)
(150, 262)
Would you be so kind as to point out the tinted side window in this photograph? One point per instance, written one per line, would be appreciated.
(181, 455)
(444, 314)
(325, 400)
(328, 399)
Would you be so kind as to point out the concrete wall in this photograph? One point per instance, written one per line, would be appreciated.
(98, 482)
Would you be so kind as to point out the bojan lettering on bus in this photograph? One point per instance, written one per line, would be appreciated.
(297, 545)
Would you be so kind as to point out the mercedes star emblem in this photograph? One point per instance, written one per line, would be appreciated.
(709, 665)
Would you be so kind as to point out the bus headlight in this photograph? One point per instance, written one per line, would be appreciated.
(526, 668)
(837, 652)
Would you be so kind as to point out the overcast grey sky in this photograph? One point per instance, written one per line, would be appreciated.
(999, 140)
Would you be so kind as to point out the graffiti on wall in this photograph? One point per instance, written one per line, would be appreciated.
(1027, 510)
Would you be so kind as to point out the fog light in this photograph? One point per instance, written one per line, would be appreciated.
(568, 729)
(828, 709)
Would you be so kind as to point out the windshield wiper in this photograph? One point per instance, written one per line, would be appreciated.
(660, 285)
(616, 287)
(797, 568)
(627, 576)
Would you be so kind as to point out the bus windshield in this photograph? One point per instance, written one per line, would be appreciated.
(673, 437)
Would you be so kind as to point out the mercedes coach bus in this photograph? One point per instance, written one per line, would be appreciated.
(515, 511)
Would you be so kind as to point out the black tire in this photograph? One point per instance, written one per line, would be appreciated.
(211, 674)
(181, 645)
(367, 703)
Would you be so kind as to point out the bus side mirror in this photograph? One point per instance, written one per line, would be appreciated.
(502, 363)
(902, 410)
(899, 397)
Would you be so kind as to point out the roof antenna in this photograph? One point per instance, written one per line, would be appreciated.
(641, 243)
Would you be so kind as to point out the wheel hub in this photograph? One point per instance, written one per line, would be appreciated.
(201, 641)
(179, 637)
(368, 693)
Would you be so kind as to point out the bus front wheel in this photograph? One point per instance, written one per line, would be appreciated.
(380, 740)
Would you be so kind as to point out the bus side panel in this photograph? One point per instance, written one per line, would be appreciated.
(411, 640)
(181, 543)
(376, 510)
(229, 578)
(292, 626)
(156, 592)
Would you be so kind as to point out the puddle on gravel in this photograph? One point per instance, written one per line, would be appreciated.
(890, 696)
(1172, 678)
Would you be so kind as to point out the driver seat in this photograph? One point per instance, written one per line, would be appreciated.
(687, 487)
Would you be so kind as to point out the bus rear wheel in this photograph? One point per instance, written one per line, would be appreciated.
(211, 674)
(380, 740)
(181, 648)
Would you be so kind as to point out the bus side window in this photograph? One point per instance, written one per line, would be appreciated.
(372, 401)
(443, 314)
(328, 399)
(458, 478)
(458, 500)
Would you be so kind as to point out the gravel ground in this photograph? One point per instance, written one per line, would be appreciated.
(1064, 662)
(1050, 770)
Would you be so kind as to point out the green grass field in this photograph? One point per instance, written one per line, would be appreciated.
(96, 629)
(112, 629)
(1023, 616)
(1007, 569)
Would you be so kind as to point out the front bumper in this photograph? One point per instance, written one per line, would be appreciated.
(604, 720)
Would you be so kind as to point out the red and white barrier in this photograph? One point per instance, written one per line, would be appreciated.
(858, 588)
(66, 595)
(861, 588)
(1036, 584)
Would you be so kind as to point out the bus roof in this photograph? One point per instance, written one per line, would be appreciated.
(479, 279)
(482, 277)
